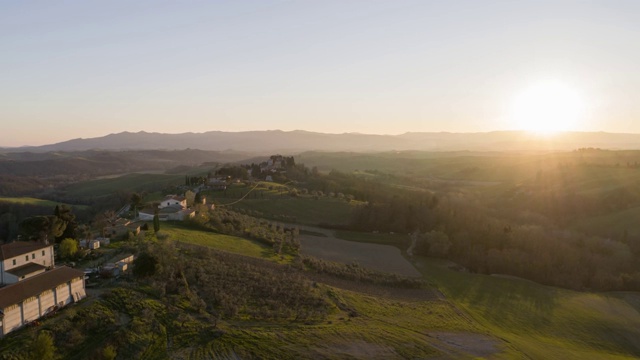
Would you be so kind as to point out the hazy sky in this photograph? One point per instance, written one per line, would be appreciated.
(87, 68)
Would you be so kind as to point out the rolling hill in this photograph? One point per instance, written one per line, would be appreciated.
(294, 141)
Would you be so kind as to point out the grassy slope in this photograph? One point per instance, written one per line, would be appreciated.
(233, 244)
(36, 202)
(386, 327)
(152, 329)
(544, 322)
(130, 182)
(303, 210)
(539, 321)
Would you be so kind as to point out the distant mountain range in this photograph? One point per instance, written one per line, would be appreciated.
(297, 141)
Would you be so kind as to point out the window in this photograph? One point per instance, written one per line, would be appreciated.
(14, 261)
(42, 252)
(33, 256)
(26, 258)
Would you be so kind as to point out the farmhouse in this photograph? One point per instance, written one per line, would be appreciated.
(32, 286)
(171, 208)
(123, 227)
(20, 260)
(172, 200)
(217, 184)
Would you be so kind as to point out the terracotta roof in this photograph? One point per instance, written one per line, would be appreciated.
(26, 269)
(17, 248)
(15, 293)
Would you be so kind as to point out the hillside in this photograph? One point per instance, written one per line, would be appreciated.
(27, 173)
(512, 257)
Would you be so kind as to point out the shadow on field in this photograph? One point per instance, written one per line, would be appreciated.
(518, 303)
(521, 302)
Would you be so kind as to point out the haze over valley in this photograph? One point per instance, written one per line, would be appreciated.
(299, 140)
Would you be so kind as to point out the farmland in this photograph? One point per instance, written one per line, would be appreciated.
(277, 206)
(125, 183)
(232, 244)
(384, 258)
(497, 227)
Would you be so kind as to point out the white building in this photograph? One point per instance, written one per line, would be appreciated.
(20, 260)
(32, 286)
(29, 300)
(173, 200)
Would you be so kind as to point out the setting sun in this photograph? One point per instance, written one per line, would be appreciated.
(546, 107)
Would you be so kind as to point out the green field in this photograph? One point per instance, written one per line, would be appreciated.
(36, 202)
(233, 244)
(302, 210)
(125, 183)
(544, 322)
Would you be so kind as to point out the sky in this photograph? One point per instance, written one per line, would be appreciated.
(89, 68)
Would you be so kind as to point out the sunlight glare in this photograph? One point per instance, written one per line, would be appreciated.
(547, 107)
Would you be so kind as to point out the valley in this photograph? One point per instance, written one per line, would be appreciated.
(363, 294)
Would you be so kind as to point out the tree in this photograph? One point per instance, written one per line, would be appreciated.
(43, 348)
(68, 248)
(136, 203)
(84, 232)
(8, 226)
(145, 265)
(156, 223)
(104, 220)
(43, 228)
(433, 243)
(109, 353)
(190, 196)
(65, 214)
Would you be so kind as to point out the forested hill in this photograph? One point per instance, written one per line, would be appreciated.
(294, 141)
(25, 172)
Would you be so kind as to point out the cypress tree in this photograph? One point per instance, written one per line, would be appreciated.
(156, 223)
